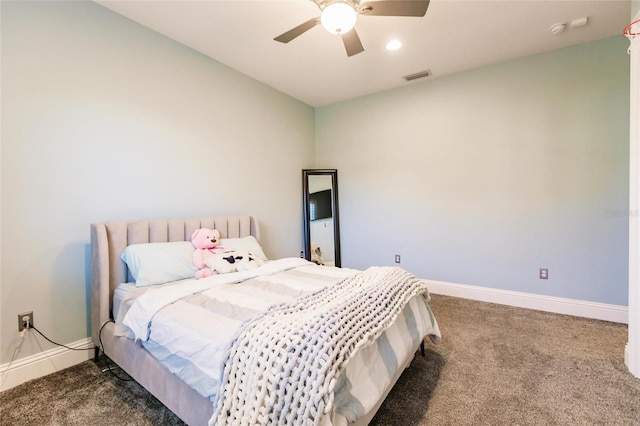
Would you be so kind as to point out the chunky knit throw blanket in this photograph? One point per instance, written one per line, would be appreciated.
(282, 366)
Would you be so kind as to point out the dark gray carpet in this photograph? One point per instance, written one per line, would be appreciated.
(500, 365)
(496, 365)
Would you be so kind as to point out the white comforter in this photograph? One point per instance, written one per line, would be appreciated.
(188, 325)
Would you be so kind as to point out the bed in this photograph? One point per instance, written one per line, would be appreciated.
(352, 395)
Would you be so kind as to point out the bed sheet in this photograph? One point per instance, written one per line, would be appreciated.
(119, 294)
(187, 326)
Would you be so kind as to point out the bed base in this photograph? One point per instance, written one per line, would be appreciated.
(108, 241)
(175, 394)
(190, 406)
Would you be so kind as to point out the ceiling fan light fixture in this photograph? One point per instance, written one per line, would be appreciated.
(338, 18)
(394, 44)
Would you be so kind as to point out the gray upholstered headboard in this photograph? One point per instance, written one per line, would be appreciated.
(108, 241)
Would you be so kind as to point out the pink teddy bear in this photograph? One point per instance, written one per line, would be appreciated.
(206, 243)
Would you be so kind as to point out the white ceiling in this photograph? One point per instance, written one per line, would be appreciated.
(453, 36)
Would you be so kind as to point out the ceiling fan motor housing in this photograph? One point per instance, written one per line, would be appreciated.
(346, 14)
(338, 17)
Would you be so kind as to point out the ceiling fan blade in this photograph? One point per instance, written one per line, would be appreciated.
(299, 30)
(394, 7)
(352, 43)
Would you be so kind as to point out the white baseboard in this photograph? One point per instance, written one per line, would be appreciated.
(558, 305)
(626, 355)
(43, 363)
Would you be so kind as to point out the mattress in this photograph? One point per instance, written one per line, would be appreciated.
(119, 294)
(168, 320)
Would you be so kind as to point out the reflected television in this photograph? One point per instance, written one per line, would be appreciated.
(320, 205)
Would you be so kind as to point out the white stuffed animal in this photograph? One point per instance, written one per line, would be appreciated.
(316, 254)
(233, 261)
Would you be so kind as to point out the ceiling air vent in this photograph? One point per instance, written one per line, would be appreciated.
(417, 75)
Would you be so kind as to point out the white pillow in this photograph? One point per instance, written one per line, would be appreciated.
(248, 244)
(158, 263)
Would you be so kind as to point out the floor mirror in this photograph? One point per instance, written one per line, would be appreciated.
(320, 216)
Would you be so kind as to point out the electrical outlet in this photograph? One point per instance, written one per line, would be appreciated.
(544, 273)
(397, 258)
(23, 318)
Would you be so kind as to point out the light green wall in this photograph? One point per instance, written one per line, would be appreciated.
(103, 119)
(483, 177)
(635, 9)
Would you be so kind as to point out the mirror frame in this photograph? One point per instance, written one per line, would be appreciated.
(306, 218)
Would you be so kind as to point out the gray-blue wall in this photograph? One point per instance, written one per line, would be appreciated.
(104, 119)
(483, 177)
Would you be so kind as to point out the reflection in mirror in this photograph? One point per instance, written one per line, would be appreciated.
(321, 226)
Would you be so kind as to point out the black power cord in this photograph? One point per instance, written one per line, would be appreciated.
(31, 326)
(106, 358)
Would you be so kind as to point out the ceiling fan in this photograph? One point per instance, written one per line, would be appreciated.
(339, 17)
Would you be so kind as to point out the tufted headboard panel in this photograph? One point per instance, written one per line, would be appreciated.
(109, 239)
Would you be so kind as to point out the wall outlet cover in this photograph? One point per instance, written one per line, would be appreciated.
(21, 319)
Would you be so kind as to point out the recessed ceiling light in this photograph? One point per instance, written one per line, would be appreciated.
(394, 45)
